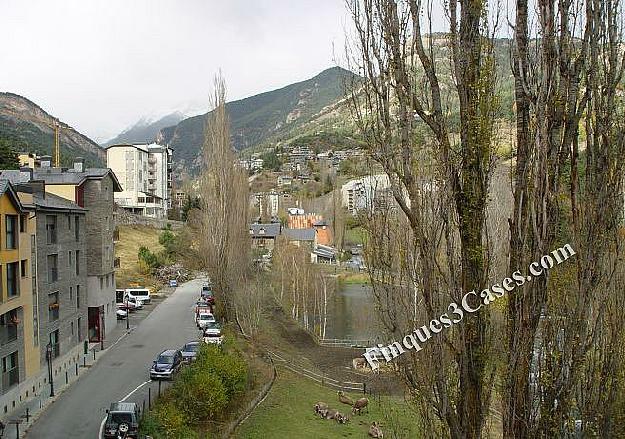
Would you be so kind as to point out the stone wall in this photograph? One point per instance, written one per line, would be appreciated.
(122, 217)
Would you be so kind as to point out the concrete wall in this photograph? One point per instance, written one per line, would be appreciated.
(125, 218)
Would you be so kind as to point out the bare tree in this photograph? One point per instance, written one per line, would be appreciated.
(224, 241)
(556, 339)
(434, 139)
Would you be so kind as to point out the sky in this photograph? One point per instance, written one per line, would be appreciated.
(100, 66)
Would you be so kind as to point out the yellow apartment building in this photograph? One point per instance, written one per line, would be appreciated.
(19, 344)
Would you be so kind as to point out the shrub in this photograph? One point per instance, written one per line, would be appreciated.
(200, 395)
(228, 366)
(173, 421)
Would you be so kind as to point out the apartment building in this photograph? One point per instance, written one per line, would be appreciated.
(62, 272)
(145, 174)
(362, 193)
(92, 189)
(19, 341)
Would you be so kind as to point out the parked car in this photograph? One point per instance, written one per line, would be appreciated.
(130, 304)
(173, 283)
(121, 314)
(212, 328)
(189, 351)
(166, 364)
(202, 307)
(121, 413)
(143, 294)
(204, 318)
(213, 339)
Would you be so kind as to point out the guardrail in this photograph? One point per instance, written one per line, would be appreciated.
(345, 342)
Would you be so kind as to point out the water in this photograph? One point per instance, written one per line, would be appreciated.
(351, 314)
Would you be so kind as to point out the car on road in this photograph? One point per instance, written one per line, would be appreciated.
(212, 328)
(166, 364)
(173, 283)
(213, 339)
(189, 351)
(121, 314)
(204, 318)
(122, 413)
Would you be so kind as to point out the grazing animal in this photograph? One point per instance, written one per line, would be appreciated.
(345, 399)
(341, 418)
(375, 431)
(331, 413)
(359, 363)
(320, 406)
(359, 405)
(322, 412)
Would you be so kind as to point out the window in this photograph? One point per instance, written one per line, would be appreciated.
(77, 228)
(23, 222)
(77, 256)
(69, 223)
(13, 285)
(79, 331)
(101, 282)
(69, 258)
(53, 270)
(71, 293)
(8, 326)
(107, 281)
(54, 341)
(24, 267)
(10, 371)
(53, 306)
(71, 324)
(51, 229)
(11, 231)
(77, 296)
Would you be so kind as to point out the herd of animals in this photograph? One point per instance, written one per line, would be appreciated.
(325, 412)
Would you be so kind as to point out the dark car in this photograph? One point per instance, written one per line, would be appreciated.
(122, 413)
(189, 351)
(207, 295)
(166, 364)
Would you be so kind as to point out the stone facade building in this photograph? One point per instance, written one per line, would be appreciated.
(62, 273)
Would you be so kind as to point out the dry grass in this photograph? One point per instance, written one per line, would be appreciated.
(127, 249)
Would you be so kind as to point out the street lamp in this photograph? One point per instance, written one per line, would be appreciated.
(49, 359)
(102, 329)
(127, 314)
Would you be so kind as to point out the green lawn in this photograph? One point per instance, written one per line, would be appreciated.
(287, 412)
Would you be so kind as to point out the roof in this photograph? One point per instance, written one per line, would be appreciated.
(140, 146)
(71, 176)
(168, 352)
(15, 176)
(267, 230)
(325, 251)
(123, 407)
(300, 234)
(6, 187)
(54, 202)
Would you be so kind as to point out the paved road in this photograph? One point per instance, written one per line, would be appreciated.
(123, 371)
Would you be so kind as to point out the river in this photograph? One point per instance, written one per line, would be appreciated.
(351, 314)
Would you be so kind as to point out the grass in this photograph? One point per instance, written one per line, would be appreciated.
(288, 412)
(130, 239)
(349, 278)
(355, 235)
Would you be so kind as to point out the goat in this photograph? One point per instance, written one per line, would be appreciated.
(359, 405)
(331, 414)
(345, 399)
(341, 418)
(375, 431)
(323, 412)
(320, 406)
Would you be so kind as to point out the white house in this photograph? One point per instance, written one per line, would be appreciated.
(145, 174)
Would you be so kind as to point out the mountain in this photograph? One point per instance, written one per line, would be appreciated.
(30, 129)
(262, 117)
(145, 130)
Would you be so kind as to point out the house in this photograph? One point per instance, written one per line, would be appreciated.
(19, 341)
(264, 235)
(285, 180)
(145, 174)
(323, 254)
(323, 236)
(92, 189)
(300, 236)
(298, 219)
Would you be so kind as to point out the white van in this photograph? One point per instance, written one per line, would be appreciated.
(142, 294)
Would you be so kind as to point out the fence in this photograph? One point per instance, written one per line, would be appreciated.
(345, 343)
(322, 379)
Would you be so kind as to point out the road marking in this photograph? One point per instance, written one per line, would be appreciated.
(122, 400)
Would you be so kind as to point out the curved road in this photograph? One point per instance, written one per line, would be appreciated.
(122, 372)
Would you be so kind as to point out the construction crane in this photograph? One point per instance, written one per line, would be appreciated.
(57, 141)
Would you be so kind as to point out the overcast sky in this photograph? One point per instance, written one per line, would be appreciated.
(102, 65)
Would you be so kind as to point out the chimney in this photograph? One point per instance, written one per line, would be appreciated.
(46, 161)
(26, 172)
(79, 164)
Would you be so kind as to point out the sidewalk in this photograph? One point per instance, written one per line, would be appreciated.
(66, 371)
